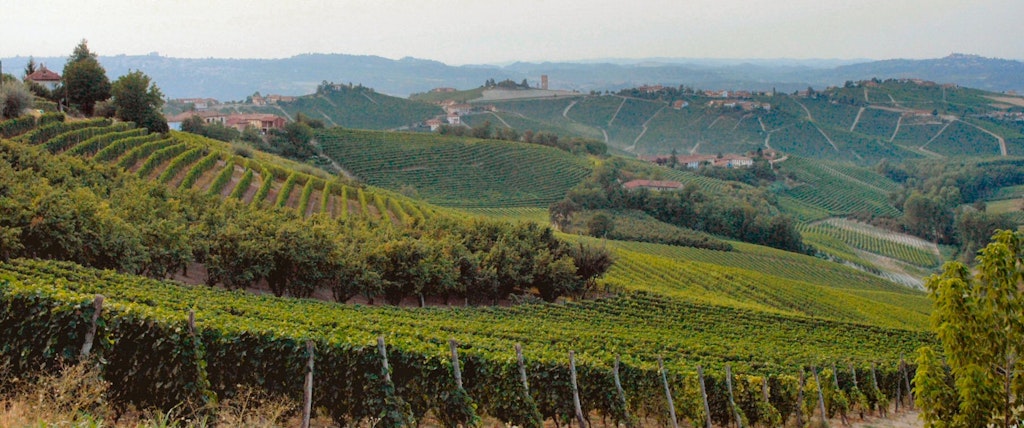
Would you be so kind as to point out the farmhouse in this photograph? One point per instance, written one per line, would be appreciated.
(45, 77)
(652, 185)
(263, 122)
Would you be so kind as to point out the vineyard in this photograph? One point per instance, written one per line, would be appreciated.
(859, 124)
(457, 172)
(751, 316)
(154, 355)
(914, 251)
(837, 189)
(188, 161)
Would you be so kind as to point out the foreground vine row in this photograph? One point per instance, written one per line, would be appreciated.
(153, 357)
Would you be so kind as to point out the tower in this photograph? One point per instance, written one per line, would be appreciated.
(544, 81)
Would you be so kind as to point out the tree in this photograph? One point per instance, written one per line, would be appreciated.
(600, 225)
(14, 98)
(30, 67)
(979, 320)
(85, 80)
(137, 99)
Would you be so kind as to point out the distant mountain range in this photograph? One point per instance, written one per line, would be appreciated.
(234, 79)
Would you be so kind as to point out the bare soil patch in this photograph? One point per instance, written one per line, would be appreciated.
(1016, 101)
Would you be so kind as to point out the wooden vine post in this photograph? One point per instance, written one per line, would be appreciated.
(821, 397)
(455, 363)
(732, 401)
(874, 383)
(668, 394)
(307, 390)
(522, 368)
(575, 390)
(704, 397)
(90, 336)
(618, 388)
(764, 389)
(384, 358)
(899, 392)
(906, 379)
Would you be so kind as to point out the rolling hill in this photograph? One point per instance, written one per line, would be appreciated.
(761, 312)
(863, 122)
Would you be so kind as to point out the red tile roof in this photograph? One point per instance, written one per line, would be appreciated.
(43, 75)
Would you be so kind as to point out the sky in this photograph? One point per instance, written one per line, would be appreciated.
(460, 32)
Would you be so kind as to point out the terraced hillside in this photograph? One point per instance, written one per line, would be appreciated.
(863, 123)
(188, 161)
(456, 172)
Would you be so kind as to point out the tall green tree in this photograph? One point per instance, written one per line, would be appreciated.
(979, 320)
(85, 80)
(137, 99)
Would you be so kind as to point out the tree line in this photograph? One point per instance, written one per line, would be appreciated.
(746, 214)
(65, 208)
(943, 201)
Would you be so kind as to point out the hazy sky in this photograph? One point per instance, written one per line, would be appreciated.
(485, 31)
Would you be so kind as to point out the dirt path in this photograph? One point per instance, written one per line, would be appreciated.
(614, 115)
(899, 122)
(809, 118)
(908, 419)
(565, 113)
(834, 147)
(644, 131)
(1002, 142)
(937, 134)
(856, 119)
(714, 122)
(329, 120)
(866, 99)
(503, 122)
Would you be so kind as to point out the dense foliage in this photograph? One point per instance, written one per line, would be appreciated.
(137, 99)
(84, 80)
(974, 379)
(63, 208)
(935, 195)
(745, 214)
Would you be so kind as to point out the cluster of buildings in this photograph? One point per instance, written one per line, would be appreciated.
(729, 160)
(454, 111)
(261, 121)
(199, 104)
(745, 105)
(259, 100)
